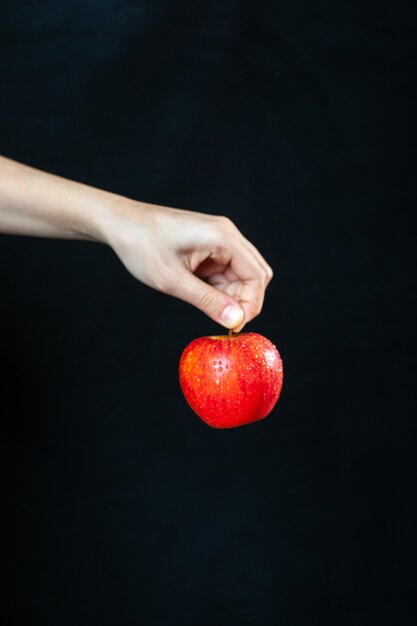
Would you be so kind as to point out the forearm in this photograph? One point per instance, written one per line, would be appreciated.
(36, 203)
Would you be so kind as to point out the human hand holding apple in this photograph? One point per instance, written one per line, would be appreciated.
(231, 380)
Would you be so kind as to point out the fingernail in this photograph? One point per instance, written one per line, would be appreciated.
(231, 316)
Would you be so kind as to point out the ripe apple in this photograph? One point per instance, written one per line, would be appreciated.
(231, 380)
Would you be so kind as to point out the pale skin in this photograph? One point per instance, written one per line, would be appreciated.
(199, 258)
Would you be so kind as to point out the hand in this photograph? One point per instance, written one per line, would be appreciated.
(201, 259)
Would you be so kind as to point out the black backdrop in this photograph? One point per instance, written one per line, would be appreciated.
(121, 507)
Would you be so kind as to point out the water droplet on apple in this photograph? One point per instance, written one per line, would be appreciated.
(220, 368)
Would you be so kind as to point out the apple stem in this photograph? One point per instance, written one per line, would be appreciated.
(230, 332)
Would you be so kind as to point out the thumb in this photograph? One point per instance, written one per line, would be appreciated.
(218, 305)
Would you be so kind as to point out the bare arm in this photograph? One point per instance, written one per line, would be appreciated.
(199, 258)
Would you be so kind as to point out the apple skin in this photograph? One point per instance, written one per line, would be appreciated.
(231, 380)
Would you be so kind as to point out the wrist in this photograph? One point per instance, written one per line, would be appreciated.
(108, 221)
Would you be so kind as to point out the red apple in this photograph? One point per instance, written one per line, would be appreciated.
(231, 380)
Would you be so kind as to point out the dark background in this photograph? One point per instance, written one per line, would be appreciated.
(297, 120)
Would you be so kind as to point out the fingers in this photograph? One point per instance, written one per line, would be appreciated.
(251, 300)
(236, 268)
(254, 277)
(254, 253)
(218, 305)
(250, 295)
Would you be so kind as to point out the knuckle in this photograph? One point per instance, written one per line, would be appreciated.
(207, 301)
(269, 273)
(225, 223)
(257, 308)
(254, 309)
